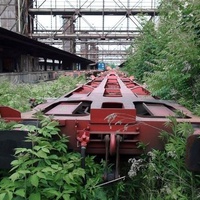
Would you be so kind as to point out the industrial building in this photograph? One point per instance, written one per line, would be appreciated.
(68, 35)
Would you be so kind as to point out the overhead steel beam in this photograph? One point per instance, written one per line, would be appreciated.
(89, 11)
(92, 36)
(108, 31)
(112, 59)
(89, 42)
(84, 36)
(111, 53)
(88, 31)
(103, 42)
(112, 56)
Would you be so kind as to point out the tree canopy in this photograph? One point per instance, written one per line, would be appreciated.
(166, 55)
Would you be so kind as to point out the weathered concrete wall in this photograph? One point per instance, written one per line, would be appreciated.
(36, 77)
(33, 77)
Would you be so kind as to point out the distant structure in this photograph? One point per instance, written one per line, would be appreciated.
(9, 16)
(26, 60)
(100, 30)
(68, 28)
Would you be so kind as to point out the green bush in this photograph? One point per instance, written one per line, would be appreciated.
(18, 96)
(48, 170)
(162, 175)
(166, 55)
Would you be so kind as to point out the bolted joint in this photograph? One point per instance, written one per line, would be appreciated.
(83, 137)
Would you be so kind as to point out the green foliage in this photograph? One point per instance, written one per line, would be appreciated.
(162, 174)
(115, 191)
(144, 49)
(6, 125)
(166, 55)
(48, 170)
(18, 96)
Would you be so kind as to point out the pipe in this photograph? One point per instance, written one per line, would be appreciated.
(112, 144)
(19, 16)
(107, 139)
(83, 149)
(118, 139)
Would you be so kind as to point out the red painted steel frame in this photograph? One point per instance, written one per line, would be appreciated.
(108, 107)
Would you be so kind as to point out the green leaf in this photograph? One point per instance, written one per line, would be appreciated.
(48, 169)
(20, 150)
(2, 195)
(66, 196)
(71, 176)
(67, 179)
(53, 124)
(37, 148)
(69, 166)
(54, 166)
(35, 196)
(34, 180)
(23, 172)
(15, 162)
(53, 192)
(9, 195)
(14, 176)
(46, 150)
(41, 175)
(48, 162)
(41, 154)
(20, 192)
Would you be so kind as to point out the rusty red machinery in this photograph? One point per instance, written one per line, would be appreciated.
(108, 117)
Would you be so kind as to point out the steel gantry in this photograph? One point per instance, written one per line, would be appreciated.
(84, 27)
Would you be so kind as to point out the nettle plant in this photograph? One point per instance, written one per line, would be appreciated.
(48, 170)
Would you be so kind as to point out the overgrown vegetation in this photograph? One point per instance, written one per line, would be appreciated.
(162, 174)
(166, 55)
(166, 58)
(18, 96)
(48, 170)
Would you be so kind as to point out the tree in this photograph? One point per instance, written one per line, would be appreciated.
(166, 56)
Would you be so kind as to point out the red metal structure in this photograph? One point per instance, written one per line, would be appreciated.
(109, 116)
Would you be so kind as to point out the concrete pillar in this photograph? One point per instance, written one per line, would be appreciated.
(53, 64)
(59, 65)
(45, 64)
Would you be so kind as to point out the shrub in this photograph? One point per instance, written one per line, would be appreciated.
(48, 170)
